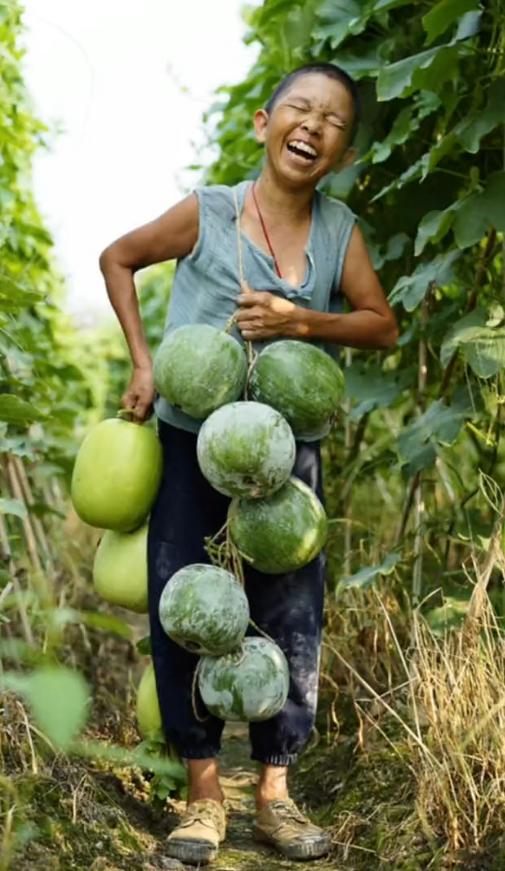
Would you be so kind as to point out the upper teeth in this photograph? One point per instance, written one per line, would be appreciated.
(303, 146)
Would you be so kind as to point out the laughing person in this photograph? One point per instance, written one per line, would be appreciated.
(302, 254)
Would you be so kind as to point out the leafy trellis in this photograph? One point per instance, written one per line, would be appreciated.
(429, 189)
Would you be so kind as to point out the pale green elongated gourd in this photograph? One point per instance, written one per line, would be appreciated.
(281, 533)
(120, 569)
(246, 449)
(250, 684)
(198, 368)
(116, 475)
(148, 707)
(302, 382)
(204, 609)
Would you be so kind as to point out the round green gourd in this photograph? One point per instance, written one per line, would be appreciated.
(302, 382)
(246, 449)
(116, 475)
(204, 609)
(120, 569)
(198, 368)
(250, 684)
(281, 533)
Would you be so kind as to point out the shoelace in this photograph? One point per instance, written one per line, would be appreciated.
(288, 811)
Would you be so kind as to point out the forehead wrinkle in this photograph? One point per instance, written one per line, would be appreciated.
(324, 105)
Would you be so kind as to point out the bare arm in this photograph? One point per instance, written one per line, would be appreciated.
(371, 324)
(170, 236)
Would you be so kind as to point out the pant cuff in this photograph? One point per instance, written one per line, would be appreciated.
(275, 758)
(199, 752)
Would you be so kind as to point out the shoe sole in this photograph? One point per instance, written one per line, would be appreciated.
(192, 852)
(308, 850)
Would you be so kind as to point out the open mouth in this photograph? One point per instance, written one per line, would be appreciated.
(302, 149)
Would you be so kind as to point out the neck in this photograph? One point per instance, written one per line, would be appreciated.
(276, 199)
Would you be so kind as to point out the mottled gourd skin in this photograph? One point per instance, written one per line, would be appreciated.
(250, 684)
(302, 382)
(120, 569)
(246, 449)
(148, 707)
(281, 533)
(204, 609)
(198, 368)
(116, 475)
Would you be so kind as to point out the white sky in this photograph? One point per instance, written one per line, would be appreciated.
(127, 81)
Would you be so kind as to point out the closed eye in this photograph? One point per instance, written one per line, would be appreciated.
(335, 122)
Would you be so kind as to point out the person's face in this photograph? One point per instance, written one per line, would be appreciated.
(308, 132)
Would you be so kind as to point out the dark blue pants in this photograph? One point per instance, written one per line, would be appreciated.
(287, 607)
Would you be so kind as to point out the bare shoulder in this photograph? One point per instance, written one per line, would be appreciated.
(170, 236)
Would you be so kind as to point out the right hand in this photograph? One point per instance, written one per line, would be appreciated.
(139, 395)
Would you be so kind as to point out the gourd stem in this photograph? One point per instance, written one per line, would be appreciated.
(125, 414)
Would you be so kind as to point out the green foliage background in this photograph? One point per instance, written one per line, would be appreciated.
(410, 468)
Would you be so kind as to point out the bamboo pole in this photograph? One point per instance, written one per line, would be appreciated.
(38, 527)
(29, 535)
(12, 568)
(419, 506)
(347, 506)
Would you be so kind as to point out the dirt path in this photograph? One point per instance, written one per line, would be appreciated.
(240, 852)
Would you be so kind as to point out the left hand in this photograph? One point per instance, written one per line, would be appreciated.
(263, 315)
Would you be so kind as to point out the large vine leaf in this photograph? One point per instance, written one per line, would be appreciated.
(443, 14)
(410, 290)
(439, 425)
(365, 577)
(478, 123)
(58, 699)
(480, 211)
(481, 344)
(369, 389)
(338, 19)
(18, 411)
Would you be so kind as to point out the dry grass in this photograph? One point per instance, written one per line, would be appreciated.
(461, 703)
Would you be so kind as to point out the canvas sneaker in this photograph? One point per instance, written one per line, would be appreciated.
(284, 827)
(197, 837)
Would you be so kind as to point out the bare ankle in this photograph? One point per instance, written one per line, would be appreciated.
(272, 784)
(203, 781)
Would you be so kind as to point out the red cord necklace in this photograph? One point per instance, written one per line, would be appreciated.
(265, 232)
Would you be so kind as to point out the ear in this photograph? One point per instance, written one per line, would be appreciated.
(260, 121)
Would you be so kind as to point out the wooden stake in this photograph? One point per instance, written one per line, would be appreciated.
(31, 543)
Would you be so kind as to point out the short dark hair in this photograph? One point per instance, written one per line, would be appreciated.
(332, 71)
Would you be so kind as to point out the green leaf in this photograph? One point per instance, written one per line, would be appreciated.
(106, 623)
(450, 615)
(443, 14)
(144, 646)
(481, 340)
(477, 124)
(370, 389)
(394, 79)
(14, 295)
(434, 226)
(410, 290)
(439, 425)
(138, 757)
(13, 506)
(463, 330)
(17, 411)
(480, 211)
(58, 699)
(365, 577)
(338, 19)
